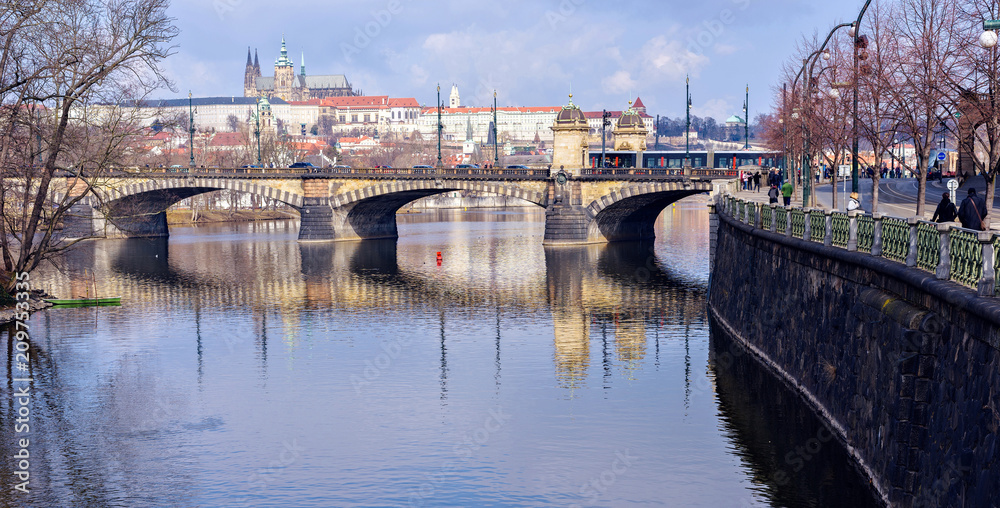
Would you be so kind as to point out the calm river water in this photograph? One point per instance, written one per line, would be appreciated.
(246, 369)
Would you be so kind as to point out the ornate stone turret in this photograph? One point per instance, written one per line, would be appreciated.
(284, 74)
(630, 134)
(570, 149)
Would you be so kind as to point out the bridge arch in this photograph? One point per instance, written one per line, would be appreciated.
(630, 214)
(370, 212)
(139, 209)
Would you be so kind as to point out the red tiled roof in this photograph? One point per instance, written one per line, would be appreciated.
(404, 103)
(446, 111)
(228, 139)
(638, 103)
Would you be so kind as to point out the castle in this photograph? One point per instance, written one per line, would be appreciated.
(287, 86)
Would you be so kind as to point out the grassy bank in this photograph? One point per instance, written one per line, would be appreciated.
(209, 216)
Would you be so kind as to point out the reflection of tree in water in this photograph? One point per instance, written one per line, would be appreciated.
(85, 459)
(793, 457)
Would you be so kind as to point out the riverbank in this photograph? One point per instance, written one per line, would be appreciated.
(7, 314)
(183, 217)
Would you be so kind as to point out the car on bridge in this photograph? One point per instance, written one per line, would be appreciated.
(467, 166)
(302, 165)
(517, 166)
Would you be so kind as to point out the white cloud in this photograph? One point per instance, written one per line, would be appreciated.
(725, 49)
(668, 59)
(718, 109)
(620, 82)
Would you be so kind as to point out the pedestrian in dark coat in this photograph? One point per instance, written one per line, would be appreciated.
(946, 210)
(973, 211)
(772, 194)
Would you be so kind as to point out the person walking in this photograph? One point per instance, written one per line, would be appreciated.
(756, 181)
(786, 193)
(973, 211)
(946, 211)
(772, 194)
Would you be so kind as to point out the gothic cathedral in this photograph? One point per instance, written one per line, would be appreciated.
(288, 86)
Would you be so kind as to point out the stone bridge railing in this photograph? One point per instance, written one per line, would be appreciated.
(949, 252)
(460, 172)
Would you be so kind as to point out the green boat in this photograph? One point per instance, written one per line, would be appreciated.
(87, 302)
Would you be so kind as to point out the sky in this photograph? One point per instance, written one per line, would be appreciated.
(532, 52)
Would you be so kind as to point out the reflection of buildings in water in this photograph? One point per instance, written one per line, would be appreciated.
(630, 341)
(572, 346)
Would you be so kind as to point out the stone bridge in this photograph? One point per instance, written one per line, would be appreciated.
(362, 204)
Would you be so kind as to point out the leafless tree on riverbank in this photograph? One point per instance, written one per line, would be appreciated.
(58, 60)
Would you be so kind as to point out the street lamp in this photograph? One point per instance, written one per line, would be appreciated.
(989, 37)
(440, 127)
(746, 120)
(605, 122)
(687, 130)
(858, 42)
(496, 154)
(191, 127)
(257, 133)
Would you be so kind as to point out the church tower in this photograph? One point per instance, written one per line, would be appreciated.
(284, 74)
(454, 101)
(250, 78)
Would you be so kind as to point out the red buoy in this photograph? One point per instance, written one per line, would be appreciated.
(439, 258)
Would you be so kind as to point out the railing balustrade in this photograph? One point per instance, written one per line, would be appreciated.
(970, 258)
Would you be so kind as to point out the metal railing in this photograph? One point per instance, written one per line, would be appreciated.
(964, 256)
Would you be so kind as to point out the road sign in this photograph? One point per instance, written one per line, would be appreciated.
(953, 189)
(991, 24)
(958, 114)
(942, 156)
(845, 170)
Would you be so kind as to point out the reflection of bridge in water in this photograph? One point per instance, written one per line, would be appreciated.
(629, 294)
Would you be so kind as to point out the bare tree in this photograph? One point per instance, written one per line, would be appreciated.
(924, 52)
(59, 57)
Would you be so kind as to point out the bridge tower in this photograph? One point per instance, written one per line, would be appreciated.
(630, 134)
(570, 149)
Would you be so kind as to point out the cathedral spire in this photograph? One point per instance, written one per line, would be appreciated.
(303, 64)
(249, 62)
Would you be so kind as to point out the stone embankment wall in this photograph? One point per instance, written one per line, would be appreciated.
(904, 368)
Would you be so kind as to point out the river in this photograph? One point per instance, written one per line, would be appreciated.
(246, 369)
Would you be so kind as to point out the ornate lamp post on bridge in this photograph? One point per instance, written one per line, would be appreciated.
(257, 132)
(440, 127)
(496, 153)
(746, 120)
(191, 127)
(687, 129)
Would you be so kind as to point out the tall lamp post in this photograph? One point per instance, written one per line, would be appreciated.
(496, 153)
(191, 127)
(807, 87)
(746, 120)
(604, 125)
(687, 129)
(440, 127)
(854, 33)
(257, 132)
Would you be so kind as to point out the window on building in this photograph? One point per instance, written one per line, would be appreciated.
(354, 118)
(368, 118)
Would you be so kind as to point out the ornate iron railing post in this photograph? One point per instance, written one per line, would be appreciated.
(852, 239)
(987, 284)
(943, 271)
(828, 234)
(877, 235)
(911, 253)
(774, 218)
(788, 221)
(807, 231)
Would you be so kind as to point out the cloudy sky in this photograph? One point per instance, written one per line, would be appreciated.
(533, 52)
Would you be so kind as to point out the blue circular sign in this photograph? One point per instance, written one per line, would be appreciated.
(941, 156)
